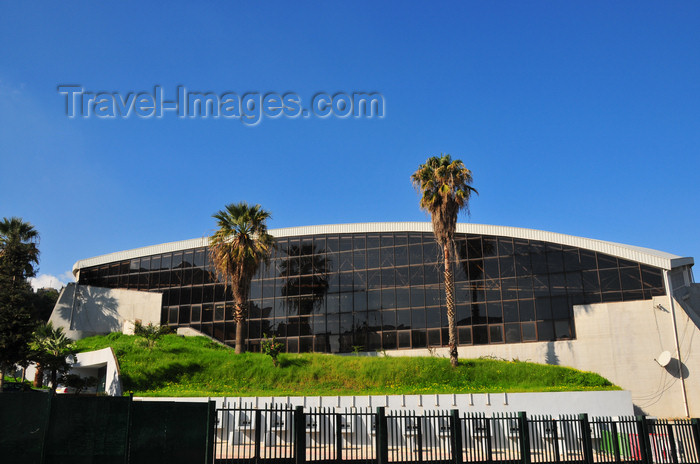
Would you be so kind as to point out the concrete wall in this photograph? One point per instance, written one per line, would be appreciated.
(86, 364)
(95, 310)
(620, 341)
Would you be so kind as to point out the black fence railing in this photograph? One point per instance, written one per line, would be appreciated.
(280, 434)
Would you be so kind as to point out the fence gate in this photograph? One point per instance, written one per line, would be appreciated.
(250, 435)
(492, 440)
(414, 438)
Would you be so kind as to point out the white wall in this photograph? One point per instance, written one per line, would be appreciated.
(599, 403)
(87, 363)
(620, 341)
(96, 310)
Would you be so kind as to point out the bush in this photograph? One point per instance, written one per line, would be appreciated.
(272, 348)
(150, 332)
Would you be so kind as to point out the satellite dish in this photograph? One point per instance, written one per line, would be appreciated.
(664, 358)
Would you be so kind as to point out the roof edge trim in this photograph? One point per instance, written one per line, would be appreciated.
(633, 253)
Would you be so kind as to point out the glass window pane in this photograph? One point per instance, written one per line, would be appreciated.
(404, 339)
(434, 338)
(418, 339)
(562, 330)
(545, 331)
(418, 318)
(630, 278)
(403, 319)
(510, 311)
(389, 340)
(512, 333)
(480, 334)
(496, 333)
(389, 319)
(609, 280)
(465, 335)
(478, 313)
(403, 297)
(606, 262)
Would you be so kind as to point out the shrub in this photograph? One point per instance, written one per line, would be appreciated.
(272, 348)
(150, 332)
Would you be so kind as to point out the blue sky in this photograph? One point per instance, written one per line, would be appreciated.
(575, 117)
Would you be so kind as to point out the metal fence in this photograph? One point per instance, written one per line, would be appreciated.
(280, 434)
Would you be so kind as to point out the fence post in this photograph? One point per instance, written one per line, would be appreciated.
(299, 435)
(650, 428)
(258, 433)
(211, 431)
(643, 440)
(339, 439)
(47, 424)
(127, 439)
(524, 438)
(382, 443)
(672, 442)
(586, 438)
(695, 427)
(456, 431)
(615, 440)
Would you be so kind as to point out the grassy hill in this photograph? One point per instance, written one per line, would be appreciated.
(195, 366)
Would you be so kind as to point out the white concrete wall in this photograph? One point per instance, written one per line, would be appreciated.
(619, 341)
(87, 363)
(599, 403)
(96, 310)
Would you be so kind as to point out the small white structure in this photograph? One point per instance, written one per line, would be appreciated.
(101, 364)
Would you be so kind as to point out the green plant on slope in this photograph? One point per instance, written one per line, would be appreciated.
(196, 366)
(445, 188)
(150, 332)
(272, 348)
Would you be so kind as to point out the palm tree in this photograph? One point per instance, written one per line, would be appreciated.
(51, 349)
(18, 250)
(445, 188)
(237, 248)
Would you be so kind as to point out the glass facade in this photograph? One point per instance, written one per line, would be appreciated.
(384, 291)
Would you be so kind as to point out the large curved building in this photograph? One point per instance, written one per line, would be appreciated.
(377, 287)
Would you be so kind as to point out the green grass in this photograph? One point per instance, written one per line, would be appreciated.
(195, 366)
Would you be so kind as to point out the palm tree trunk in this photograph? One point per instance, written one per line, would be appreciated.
(39, 376)
(239, 317)
(2, 377)
(54, 380)
(450, 301)
(239, 337)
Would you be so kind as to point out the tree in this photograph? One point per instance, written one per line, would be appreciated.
(445, 188)
(51, 349)
(18, 250)
(18, 255)
(237, 248)
(43, 302)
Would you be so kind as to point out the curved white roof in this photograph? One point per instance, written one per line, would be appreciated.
(643, 255)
